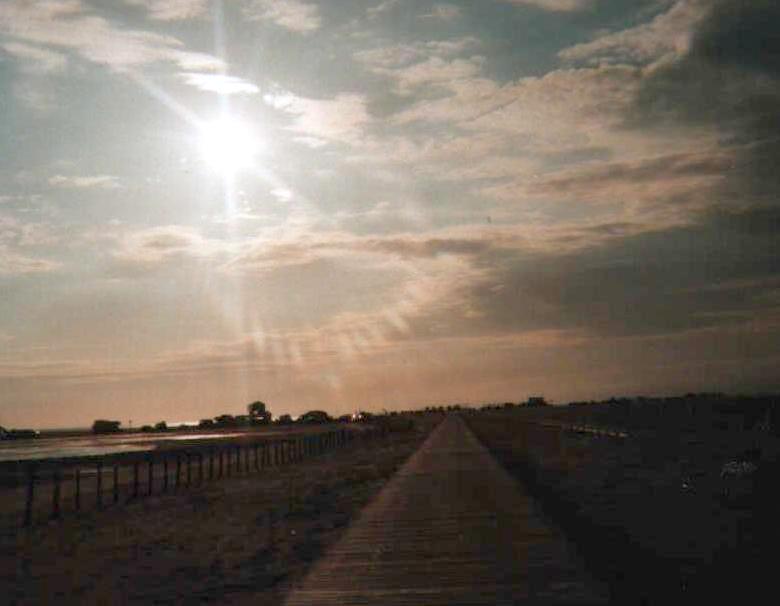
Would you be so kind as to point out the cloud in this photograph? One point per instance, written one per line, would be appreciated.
(85, 181)
(68, 24)
(16, 238)
(294, 15)
(15, 264)
(443, 12)
(432, 63)
(172, 10)
(554, 5)
(36, 59)
(668, 34)
(608, 179)
(374, 12)
(341, 118)
(219, 83)
(148, 249)
(727, 82)
(404, 55)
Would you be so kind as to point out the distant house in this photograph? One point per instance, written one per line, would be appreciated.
(535, 401)
(103, 426)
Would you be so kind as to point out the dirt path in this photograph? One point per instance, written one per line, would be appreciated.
(451, 527)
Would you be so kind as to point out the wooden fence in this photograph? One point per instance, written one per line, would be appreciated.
(51, 489)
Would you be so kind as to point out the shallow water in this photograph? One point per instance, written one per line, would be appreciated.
(46, 448)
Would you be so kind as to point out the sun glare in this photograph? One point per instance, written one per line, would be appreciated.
(227, 145)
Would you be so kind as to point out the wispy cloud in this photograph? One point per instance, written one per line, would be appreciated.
(295, 15)
(70, 25)
(15, 264)
(220, 83)
(85, 181)
(339, 119)
(375, 11)
(443, 12)
(667, 34)
(147, 249)
(555, 5)
(173, 10)
(36, 59)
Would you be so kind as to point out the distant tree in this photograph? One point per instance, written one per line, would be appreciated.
(161, 426)
(146, 428)
(259, 413)
(284, 420)
(206, 424)
(315, 416)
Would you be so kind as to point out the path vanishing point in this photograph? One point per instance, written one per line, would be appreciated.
(451, 527)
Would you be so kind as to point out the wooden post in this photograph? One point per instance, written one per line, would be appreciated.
(28, 506)
(116, 483)
(99, 486)
(135, 480)
(211, 463)
(220, 463)
(257, 459)
(200, 467)
(177, 479)
(55, 495)
(229, 464)
(77, 495)
(189, 471)
(150, 479)
(165, 474)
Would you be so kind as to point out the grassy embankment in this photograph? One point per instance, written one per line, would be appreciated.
(239, 539)
(651, 514)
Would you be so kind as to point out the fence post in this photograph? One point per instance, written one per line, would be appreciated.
(77, 495)
(257, 460)
(165, 474)
(55, 495)
(135, 480)
(99, 487)
(28, 506)
(177, 481)
(229, 464)
(200, 467)
(150, 479)
(220, 463)
(116, 482)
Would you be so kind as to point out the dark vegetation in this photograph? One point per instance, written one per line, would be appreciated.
(682, 510)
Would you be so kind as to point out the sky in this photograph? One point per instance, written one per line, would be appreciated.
(342, 204)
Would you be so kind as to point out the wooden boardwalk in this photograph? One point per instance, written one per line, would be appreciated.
(451, 527)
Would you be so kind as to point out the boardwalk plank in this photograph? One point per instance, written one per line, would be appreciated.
(451, 527)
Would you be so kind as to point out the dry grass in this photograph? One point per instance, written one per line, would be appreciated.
(240, 539)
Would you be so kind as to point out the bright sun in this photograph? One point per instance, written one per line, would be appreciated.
(227, 145)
